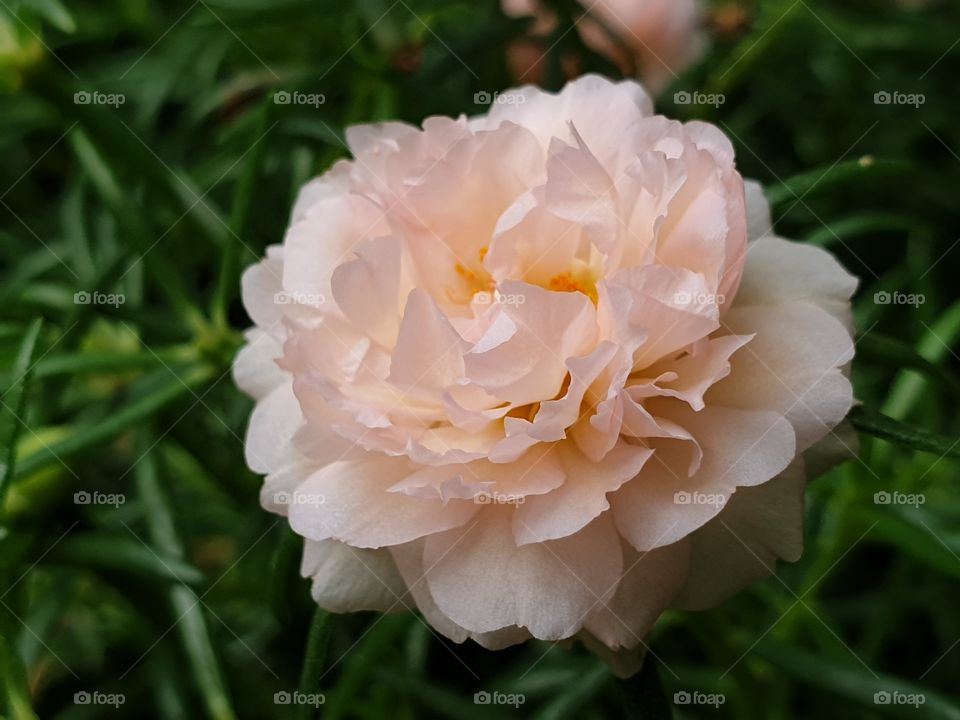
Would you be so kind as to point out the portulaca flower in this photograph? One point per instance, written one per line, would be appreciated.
(652, 39)
(541, 373)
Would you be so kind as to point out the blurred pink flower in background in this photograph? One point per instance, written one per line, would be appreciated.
(654, 40)
(541, 373)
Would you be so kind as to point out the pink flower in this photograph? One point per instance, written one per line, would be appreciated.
(652, 39)
(526, 373)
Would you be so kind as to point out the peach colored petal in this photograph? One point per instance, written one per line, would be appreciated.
(742, 544)
(581, 498)
(483, 582)
(527, 374)
(348, 501)
(740, 448)
(346, 579)
(651, 581)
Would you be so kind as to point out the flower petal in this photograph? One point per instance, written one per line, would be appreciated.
(348, 501)
(740, 448)
(742, 544)
(483, 582)
(347, 579)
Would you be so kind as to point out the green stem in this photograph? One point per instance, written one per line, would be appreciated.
(314, 659)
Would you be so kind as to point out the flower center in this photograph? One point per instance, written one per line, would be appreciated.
(575, 281)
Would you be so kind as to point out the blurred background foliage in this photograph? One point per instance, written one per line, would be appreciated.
(184, 596)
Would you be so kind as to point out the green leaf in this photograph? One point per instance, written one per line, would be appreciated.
(13, 678)
(898, 354)
(845, 174)
(859, 225)
(243, 204)
(443, 701)
(856, 682)
(187, 607)
(109, 551)
(361, 661)
(117, 422)
(56, 14)
(14, 404)
(935, 346)
(904, 434)
(571, 701)
(913, 535)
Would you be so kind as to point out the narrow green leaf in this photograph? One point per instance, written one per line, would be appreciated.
(913, 536)
(935, 346)
(13, 679)
(110, 551)
(56, 14)
(819, 181)
(116, 422)
(905, 434)
(857, 683)
(857, 226)
(570, 702)
(898, 354)
(239, 220)
(360, 663)
(443, 701)
(14, 406)
(97, 170)
(191, 623)
(777, 19)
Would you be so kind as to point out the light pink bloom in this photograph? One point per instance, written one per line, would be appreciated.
(654, 39)
(544, 372)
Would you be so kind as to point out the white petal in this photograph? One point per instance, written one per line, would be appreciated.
(792, 366)
(742, 544)
(347, 579)
(779, 271)
(255, 369)
(274, 422)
